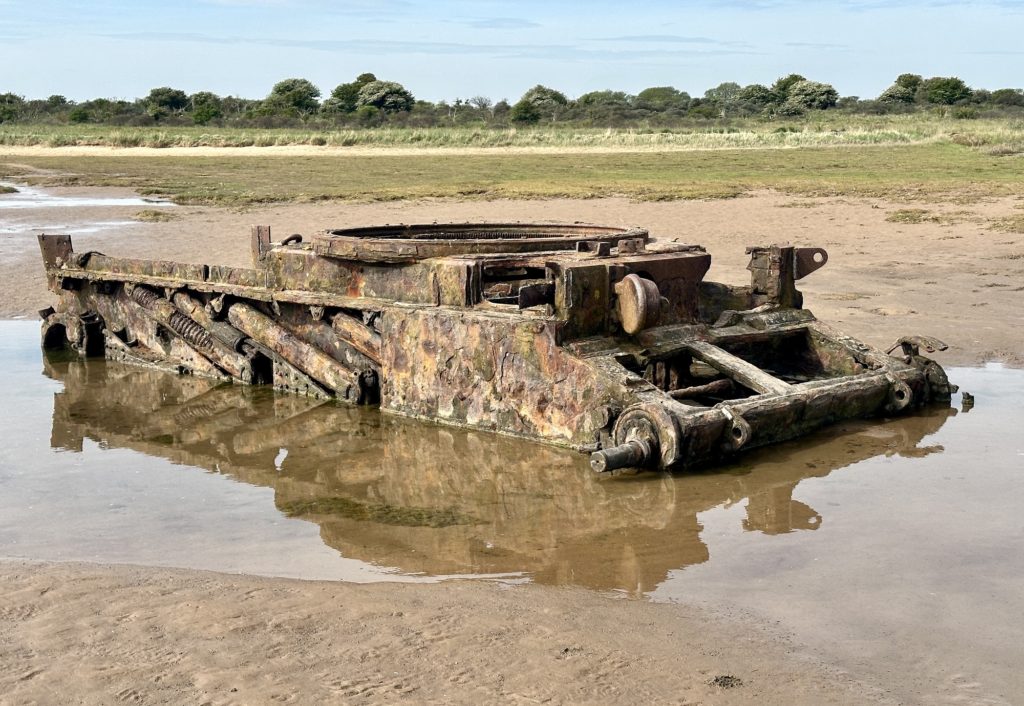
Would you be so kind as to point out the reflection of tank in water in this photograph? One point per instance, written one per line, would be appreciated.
(587, 337)
(436, 500)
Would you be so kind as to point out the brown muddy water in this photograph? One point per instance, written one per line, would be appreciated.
(890, 542)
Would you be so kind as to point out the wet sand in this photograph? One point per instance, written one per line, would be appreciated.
(73, 633)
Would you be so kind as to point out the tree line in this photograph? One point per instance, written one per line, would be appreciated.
(368, 101)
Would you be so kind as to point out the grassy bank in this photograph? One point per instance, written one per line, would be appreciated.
(830, 129)
(935, 171)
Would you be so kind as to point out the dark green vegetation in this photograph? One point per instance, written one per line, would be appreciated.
(912, 215)
(938, 171)
(923, 215)
(369, 102)
(155, 215)
(1011, 224)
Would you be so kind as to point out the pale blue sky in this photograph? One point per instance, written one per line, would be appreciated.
(498, 48)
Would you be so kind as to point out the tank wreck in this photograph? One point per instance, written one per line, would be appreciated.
(589, 337)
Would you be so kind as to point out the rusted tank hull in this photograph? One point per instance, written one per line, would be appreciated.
(617, 348)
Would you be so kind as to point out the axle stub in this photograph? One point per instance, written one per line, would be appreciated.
(635, 453)
(646, 435)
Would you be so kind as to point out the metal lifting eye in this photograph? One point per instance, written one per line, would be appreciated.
(807, 260)
(738, 431)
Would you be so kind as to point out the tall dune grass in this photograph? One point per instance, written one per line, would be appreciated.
(996, 137)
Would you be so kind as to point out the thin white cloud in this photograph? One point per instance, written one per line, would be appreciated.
(377, 47)
(815, 45)
(503, 23)
(662, 39)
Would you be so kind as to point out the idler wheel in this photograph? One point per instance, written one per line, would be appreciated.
(645, 436)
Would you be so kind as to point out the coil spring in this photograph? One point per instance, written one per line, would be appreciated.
(181, 324)
(144, 296)
(191, 331)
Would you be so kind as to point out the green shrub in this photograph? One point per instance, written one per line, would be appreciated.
(368, 114)
(943, 90)
(1008, 96)
(295, 95)
(662, 98)
(78, 115)
(780, 89)
(387, 96)
(812, 95)
(789, 109)
(10, 106)
(205, 113)
(897, 94)
(525, 112)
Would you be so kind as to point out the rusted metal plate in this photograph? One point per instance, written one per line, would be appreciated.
(491, 372)
(236, 276)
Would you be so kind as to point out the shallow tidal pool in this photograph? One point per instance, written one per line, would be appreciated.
(884, 542)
